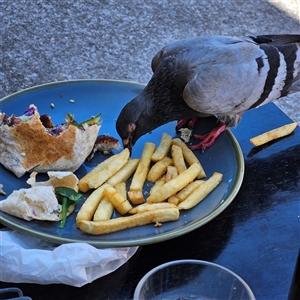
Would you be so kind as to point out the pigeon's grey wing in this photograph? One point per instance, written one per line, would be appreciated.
(198, 45)
(224, 77)
(230, 78)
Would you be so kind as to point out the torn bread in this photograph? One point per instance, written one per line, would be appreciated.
(28, 144)
(39, 202)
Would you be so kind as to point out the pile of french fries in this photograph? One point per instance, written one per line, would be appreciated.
(178, 184)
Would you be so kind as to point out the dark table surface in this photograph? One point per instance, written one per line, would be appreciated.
(257, 236)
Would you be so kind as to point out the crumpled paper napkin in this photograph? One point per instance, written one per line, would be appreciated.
(27, 259)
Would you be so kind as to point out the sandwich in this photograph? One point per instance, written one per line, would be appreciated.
(31, 142)
(40, 201)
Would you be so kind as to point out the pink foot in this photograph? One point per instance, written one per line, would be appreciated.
(208, 139)
(191, 123)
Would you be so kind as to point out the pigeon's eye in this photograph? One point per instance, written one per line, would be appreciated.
(131, 127)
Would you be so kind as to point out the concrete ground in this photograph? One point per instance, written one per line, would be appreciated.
(45, 41)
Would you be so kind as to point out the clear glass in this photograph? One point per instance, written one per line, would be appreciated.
(192, 279)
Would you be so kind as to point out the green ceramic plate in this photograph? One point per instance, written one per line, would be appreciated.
(108, 97)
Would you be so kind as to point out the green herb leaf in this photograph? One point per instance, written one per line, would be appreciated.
(91, 121)
(71, 120)
(66, 197)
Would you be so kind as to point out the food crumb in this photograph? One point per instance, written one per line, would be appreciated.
(52, 105)
(157, 224)
(72, 101)
(185, 134)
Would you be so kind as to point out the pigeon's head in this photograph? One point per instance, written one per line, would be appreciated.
(127, 134)
(159, 103)
(133, 122)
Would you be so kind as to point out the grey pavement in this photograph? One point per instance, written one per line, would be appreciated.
(44, 41)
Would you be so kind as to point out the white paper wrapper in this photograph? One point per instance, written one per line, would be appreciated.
(26, 259)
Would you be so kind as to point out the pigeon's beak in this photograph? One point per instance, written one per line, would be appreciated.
(127, 143)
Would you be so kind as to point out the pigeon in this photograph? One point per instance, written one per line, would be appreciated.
(220, 76)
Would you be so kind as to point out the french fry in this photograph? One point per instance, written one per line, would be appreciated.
(189, 156)
(124, 173)
(186, 191)
(104, 211)
(173, 186)
(158, 184)
(171, 173)
(121, 188)
(121, 204)
(136, 197)
(147, 207)
(201, 192)
(122, 223)
(273, 134)
(163, 148)
(143, 167)
(178, 159)
(90, 205)
(159, 169)
(83, 182)
(117, 163)
(173, 200)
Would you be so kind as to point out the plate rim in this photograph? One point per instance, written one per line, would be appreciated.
(140, 241)
(62, 82)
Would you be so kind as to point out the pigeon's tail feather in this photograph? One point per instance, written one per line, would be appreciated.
(276, 39)
(284, 62)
